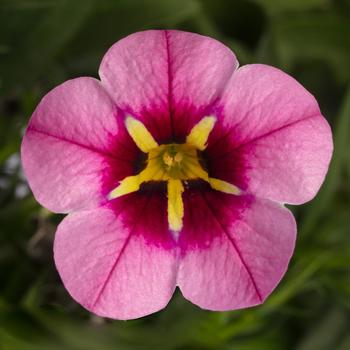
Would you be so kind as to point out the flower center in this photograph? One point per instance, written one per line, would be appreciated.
(173, 157)
(173, 163)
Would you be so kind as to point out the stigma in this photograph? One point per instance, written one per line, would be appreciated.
(173, 163)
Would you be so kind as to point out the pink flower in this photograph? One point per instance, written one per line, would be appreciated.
(174, 169)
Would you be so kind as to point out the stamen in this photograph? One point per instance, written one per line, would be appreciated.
(168, 159)
(178, 157)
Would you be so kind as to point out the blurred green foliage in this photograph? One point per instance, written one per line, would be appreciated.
(45, 42)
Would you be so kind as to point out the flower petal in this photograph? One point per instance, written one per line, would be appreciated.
(273, 141)
(157, 75)
(70, 147)
(199, 69)
(289, 165)
(108, 263)
(235, 249)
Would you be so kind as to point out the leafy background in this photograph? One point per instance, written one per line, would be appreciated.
(43, 43)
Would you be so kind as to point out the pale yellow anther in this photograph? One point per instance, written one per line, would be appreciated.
(198, 137)
(141, 136)
(175, 205)
(178, 157)
(168, 159)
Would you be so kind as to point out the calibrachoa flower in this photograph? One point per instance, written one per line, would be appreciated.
(174, 169)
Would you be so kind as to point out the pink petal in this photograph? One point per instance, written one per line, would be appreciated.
(235, 250)
(273, 140)
(70, 146)
(289, 165)
(157, 75)
(199, 69)
(109, 265)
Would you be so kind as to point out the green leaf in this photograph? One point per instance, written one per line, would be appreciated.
(320, 36)
(29, 56)
(326, 332)
(121, 18)
(279, 6)
(296, 280)
(345, 343)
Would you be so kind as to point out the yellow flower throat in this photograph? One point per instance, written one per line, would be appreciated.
(173, 163)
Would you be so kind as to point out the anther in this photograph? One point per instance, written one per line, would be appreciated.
(168, 159)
